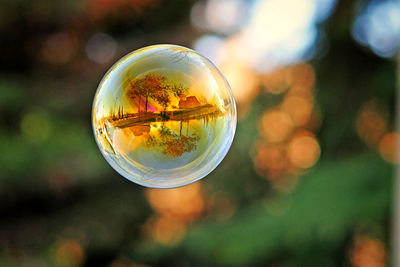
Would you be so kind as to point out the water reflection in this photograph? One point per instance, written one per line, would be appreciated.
(158, 126)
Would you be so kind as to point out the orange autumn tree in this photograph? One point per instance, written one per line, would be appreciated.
(151, 86)
(136, 88)
(155, 86)
(172, 144)
(178, 90)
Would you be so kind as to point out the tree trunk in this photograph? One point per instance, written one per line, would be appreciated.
(139, 106)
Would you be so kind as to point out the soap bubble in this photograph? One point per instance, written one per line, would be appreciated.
(164, 116)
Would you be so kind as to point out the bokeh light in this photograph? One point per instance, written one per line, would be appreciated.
(324, 9)
(368, 252)
(288, 145)
(299, 109)
(101, 48)
(206, 16)
(243, 81)
(371, 123)
(175, 209)
(303, 149)
(36, 126)
(60, 47)
(69, 253)
(288, 36)
(234, 15)
(389, 147)
(270, 160)
(211, 46)
(275, 125)
(378, 27)
(165, 229)
(277, 81)
(185, 203)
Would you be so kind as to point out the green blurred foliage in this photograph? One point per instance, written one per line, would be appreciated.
(310, 225)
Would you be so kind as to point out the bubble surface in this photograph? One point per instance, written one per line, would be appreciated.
(164, 116)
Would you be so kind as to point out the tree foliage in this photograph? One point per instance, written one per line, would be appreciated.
(156, 87)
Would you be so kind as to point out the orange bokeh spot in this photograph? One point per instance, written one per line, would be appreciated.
(370, 123)
(270, 160)
(69, 253)
(303, 75)
(278, 81)
(222, 207)
(275, 125)
(389, 146)
(368, 252)
(299, 109)
(300, 91)
(166, 229)
(242, 80)
(303, 150)
(60, 47)
(184, 203)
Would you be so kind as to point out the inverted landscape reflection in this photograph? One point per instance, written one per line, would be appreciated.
(164, 116)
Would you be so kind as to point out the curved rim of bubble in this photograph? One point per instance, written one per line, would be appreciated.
(224, 152)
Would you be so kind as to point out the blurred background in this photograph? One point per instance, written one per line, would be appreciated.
(309, 180)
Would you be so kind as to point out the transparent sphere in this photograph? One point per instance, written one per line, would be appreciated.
(164, 116)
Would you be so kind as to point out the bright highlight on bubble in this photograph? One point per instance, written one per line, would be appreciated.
(164, 116)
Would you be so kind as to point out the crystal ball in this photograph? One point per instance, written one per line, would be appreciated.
(164, 116)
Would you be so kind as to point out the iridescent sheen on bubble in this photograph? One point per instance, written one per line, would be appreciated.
(164, 116)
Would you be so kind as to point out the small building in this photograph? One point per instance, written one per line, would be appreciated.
(189, 102)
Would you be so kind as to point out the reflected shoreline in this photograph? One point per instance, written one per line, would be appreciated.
(133, 119)
(171, 143)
